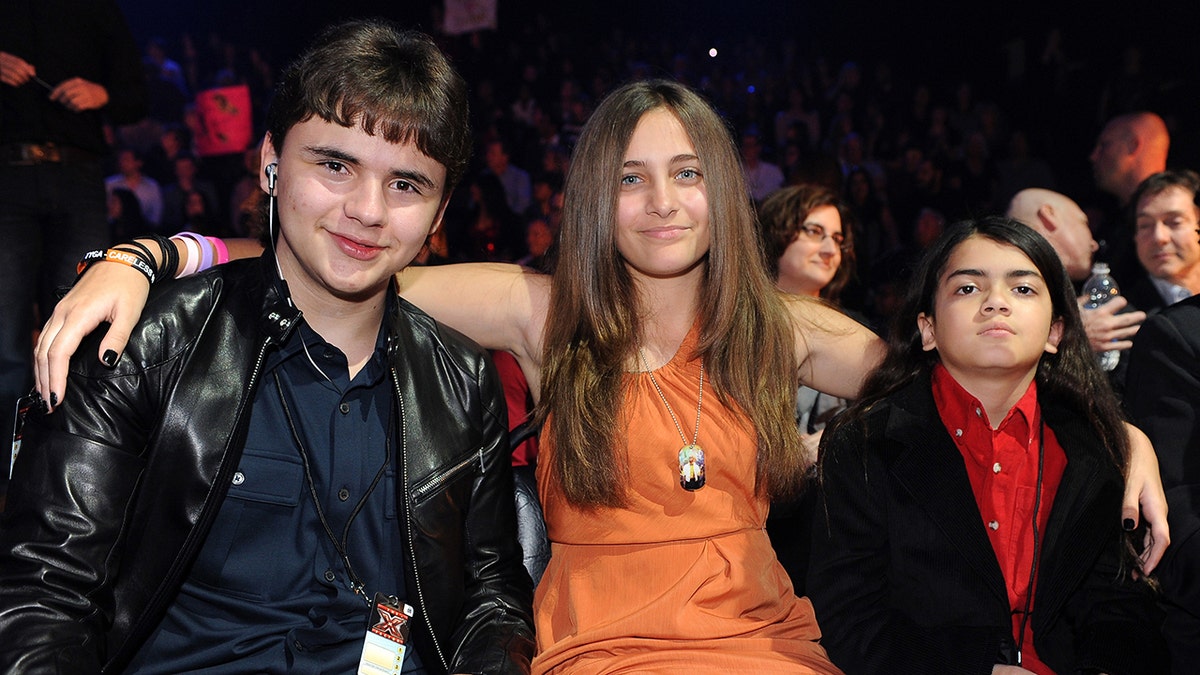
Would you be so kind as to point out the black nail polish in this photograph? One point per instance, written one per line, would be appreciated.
(53, 400)
(42, 406)
(1129, 524)
(110, 358)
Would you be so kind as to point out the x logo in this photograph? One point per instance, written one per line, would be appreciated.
(390, 625)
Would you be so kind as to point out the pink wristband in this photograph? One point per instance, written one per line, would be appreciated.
(222, 250)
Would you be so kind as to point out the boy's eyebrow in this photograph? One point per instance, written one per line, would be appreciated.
(409, 175)
(331, 153)
(414, 177)
(1011, 274)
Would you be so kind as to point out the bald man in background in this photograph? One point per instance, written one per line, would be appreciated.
(1130, 149)
(1064, 224)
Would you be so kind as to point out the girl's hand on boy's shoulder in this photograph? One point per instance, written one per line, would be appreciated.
(107, 292)
(1143, 488)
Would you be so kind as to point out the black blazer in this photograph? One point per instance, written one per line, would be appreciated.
(1162, 394)
(903, 576)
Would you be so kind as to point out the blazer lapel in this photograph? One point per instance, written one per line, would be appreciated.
(932, 471)
(1076, 530)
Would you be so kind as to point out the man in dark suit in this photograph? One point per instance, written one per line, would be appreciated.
(1163, 396)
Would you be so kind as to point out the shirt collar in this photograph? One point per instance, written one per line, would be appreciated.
(960, 410)
(304, 336)
(1170, 292)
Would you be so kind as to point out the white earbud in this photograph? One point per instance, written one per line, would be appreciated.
(272, 173)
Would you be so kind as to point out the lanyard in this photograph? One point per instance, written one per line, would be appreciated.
(356, 583)
(1037, 504)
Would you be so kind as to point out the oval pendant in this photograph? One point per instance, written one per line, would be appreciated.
(691, 467)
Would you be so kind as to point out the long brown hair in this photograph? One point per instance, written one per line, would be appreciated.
(746, 336)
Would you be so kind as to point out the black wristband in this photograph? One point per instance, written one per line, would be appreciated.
(170, 256)
(126, 257)
(141, 247)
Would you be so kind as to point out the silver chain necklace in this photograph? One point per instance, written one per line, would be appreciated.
(691, 455)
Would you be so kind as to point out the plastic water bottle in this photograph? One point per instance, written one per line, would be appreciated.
(1099, 289)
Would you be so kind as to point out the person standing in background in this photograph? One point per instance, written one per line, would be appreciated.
(65, 69)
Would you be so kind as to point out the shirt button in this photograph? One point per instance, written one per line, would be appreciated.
(298, 645)
(239, 478)
(996, 467)
(343, 494)
(958, 432)
(328, 353)
(330, 576)
(978, 412)
(345, 408)
(994, 525)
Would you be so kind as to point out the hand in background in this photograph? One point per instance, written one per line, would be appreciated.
(14, 70)
(1106, 329)
(78, 94)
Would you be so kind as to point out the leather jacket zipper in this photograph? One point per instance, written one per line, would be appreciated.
(408, 522)
(223, 478)
(439, 480)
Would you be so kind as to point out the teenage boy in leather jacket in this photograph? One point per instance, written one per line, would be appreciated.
(286, 448)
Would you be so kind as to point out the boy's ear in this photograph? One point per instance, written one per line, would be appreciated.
(928, 335)
(1056, 332)
(266, 155)
(441, 214)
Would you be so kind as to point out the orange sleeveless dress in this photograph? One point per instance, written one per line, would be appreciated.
(677, 582)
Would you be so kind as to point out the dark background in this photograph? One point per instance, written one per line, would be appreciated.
(944, 35)
(938, 42)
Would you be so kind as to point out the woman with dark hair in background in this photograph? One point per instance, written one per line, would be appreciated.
(810, 253)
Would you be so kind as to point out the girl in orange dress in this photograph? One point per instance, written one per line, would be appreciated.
(676, 580)
(668, 372)
(666, 365)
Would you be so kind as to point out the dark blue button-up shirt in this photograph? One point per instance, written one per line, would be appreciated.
(268, 591)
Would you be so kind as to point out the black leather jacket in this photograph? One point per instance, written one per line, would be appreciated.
(115, 492)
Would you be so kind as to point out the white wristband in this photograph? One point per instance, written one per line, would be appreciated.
(193, 256)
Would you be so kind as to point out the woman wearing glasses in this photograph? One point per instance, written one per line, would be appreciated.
(809, 253)
(807, 249)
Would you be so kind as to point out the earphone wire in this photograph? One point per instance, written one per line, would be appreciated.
(272, 173)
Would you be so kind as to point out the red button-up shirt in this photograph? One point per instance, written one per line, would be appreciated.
(1002, 465)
